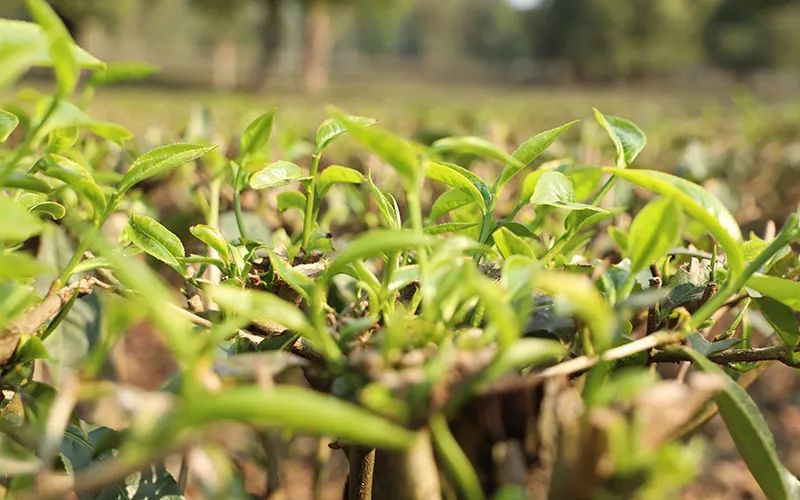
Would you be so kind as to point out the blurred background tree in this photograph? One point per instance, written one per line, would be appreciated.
(250, 43)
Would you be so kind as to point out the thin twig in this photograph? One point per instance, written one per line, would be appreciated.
(781, 353)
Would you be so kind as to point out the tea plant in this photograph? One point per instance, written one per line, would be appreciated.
(405, 333)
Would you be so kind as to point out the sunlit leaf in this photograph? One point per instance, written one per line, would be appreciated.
(628, 138)
(160, 160)
(654, 230)
(18, 224)
(397, 152)
(335, 174)
(8, 122)
(698, 203)
(443, 172)
(332, 128)
(276, 174)
(474, 146)
(530, 150)
(510, 244)
(448, 227)
(213, 239)
(293, 408)
(780, 289)
(78, 178)
(60, 44)
(257, 134)
(156, 240)
(373, 243)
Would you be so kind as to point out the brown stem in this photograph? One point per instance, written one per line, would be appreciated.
(37, 317)
(781, 353)
(362, 466)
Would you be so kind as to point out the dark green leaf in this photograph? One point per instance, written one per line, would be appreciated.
(781, 318)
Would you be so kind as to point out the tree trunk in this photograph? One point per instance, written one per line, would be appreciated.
(224, 61)
(270, 41)
(409, 474)
(317, 46)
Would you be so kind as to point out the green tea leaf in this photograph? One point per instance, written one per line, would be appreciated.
(510, 244)
(628, 139)
(8, 122)
(301, 283)
(780, 289)
(213, 239)
(387, 206)
(397, 152)
(78, 178)
(698, 203)
(29, 35)
(110, 131)
(448, 227)
(60, 45)
(293, 408)
(55, 210)
(553, 188)
(443, 172)
(276, 174)
(18, 224)
(332, 128)
(160, 160)
(18, 265)
(291, 199)
(252, 305)
(257, 134)
(751, 434)
(28, 182)
(122, 71)
(373, 243)
(156, 240)
(337, 174)
(530, 150)
(474, 146)
(449, 201)
(455, 461)
(781, 318)
(654, 230)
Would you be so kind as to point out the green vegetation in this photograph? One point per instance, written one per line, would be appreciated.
(381, 303)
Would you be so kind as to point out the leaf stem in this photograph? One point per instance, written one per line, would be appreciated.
(237, 203)
(311, 193)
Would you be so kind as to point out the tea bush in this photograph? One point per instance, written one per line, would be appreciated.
(515, 336)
